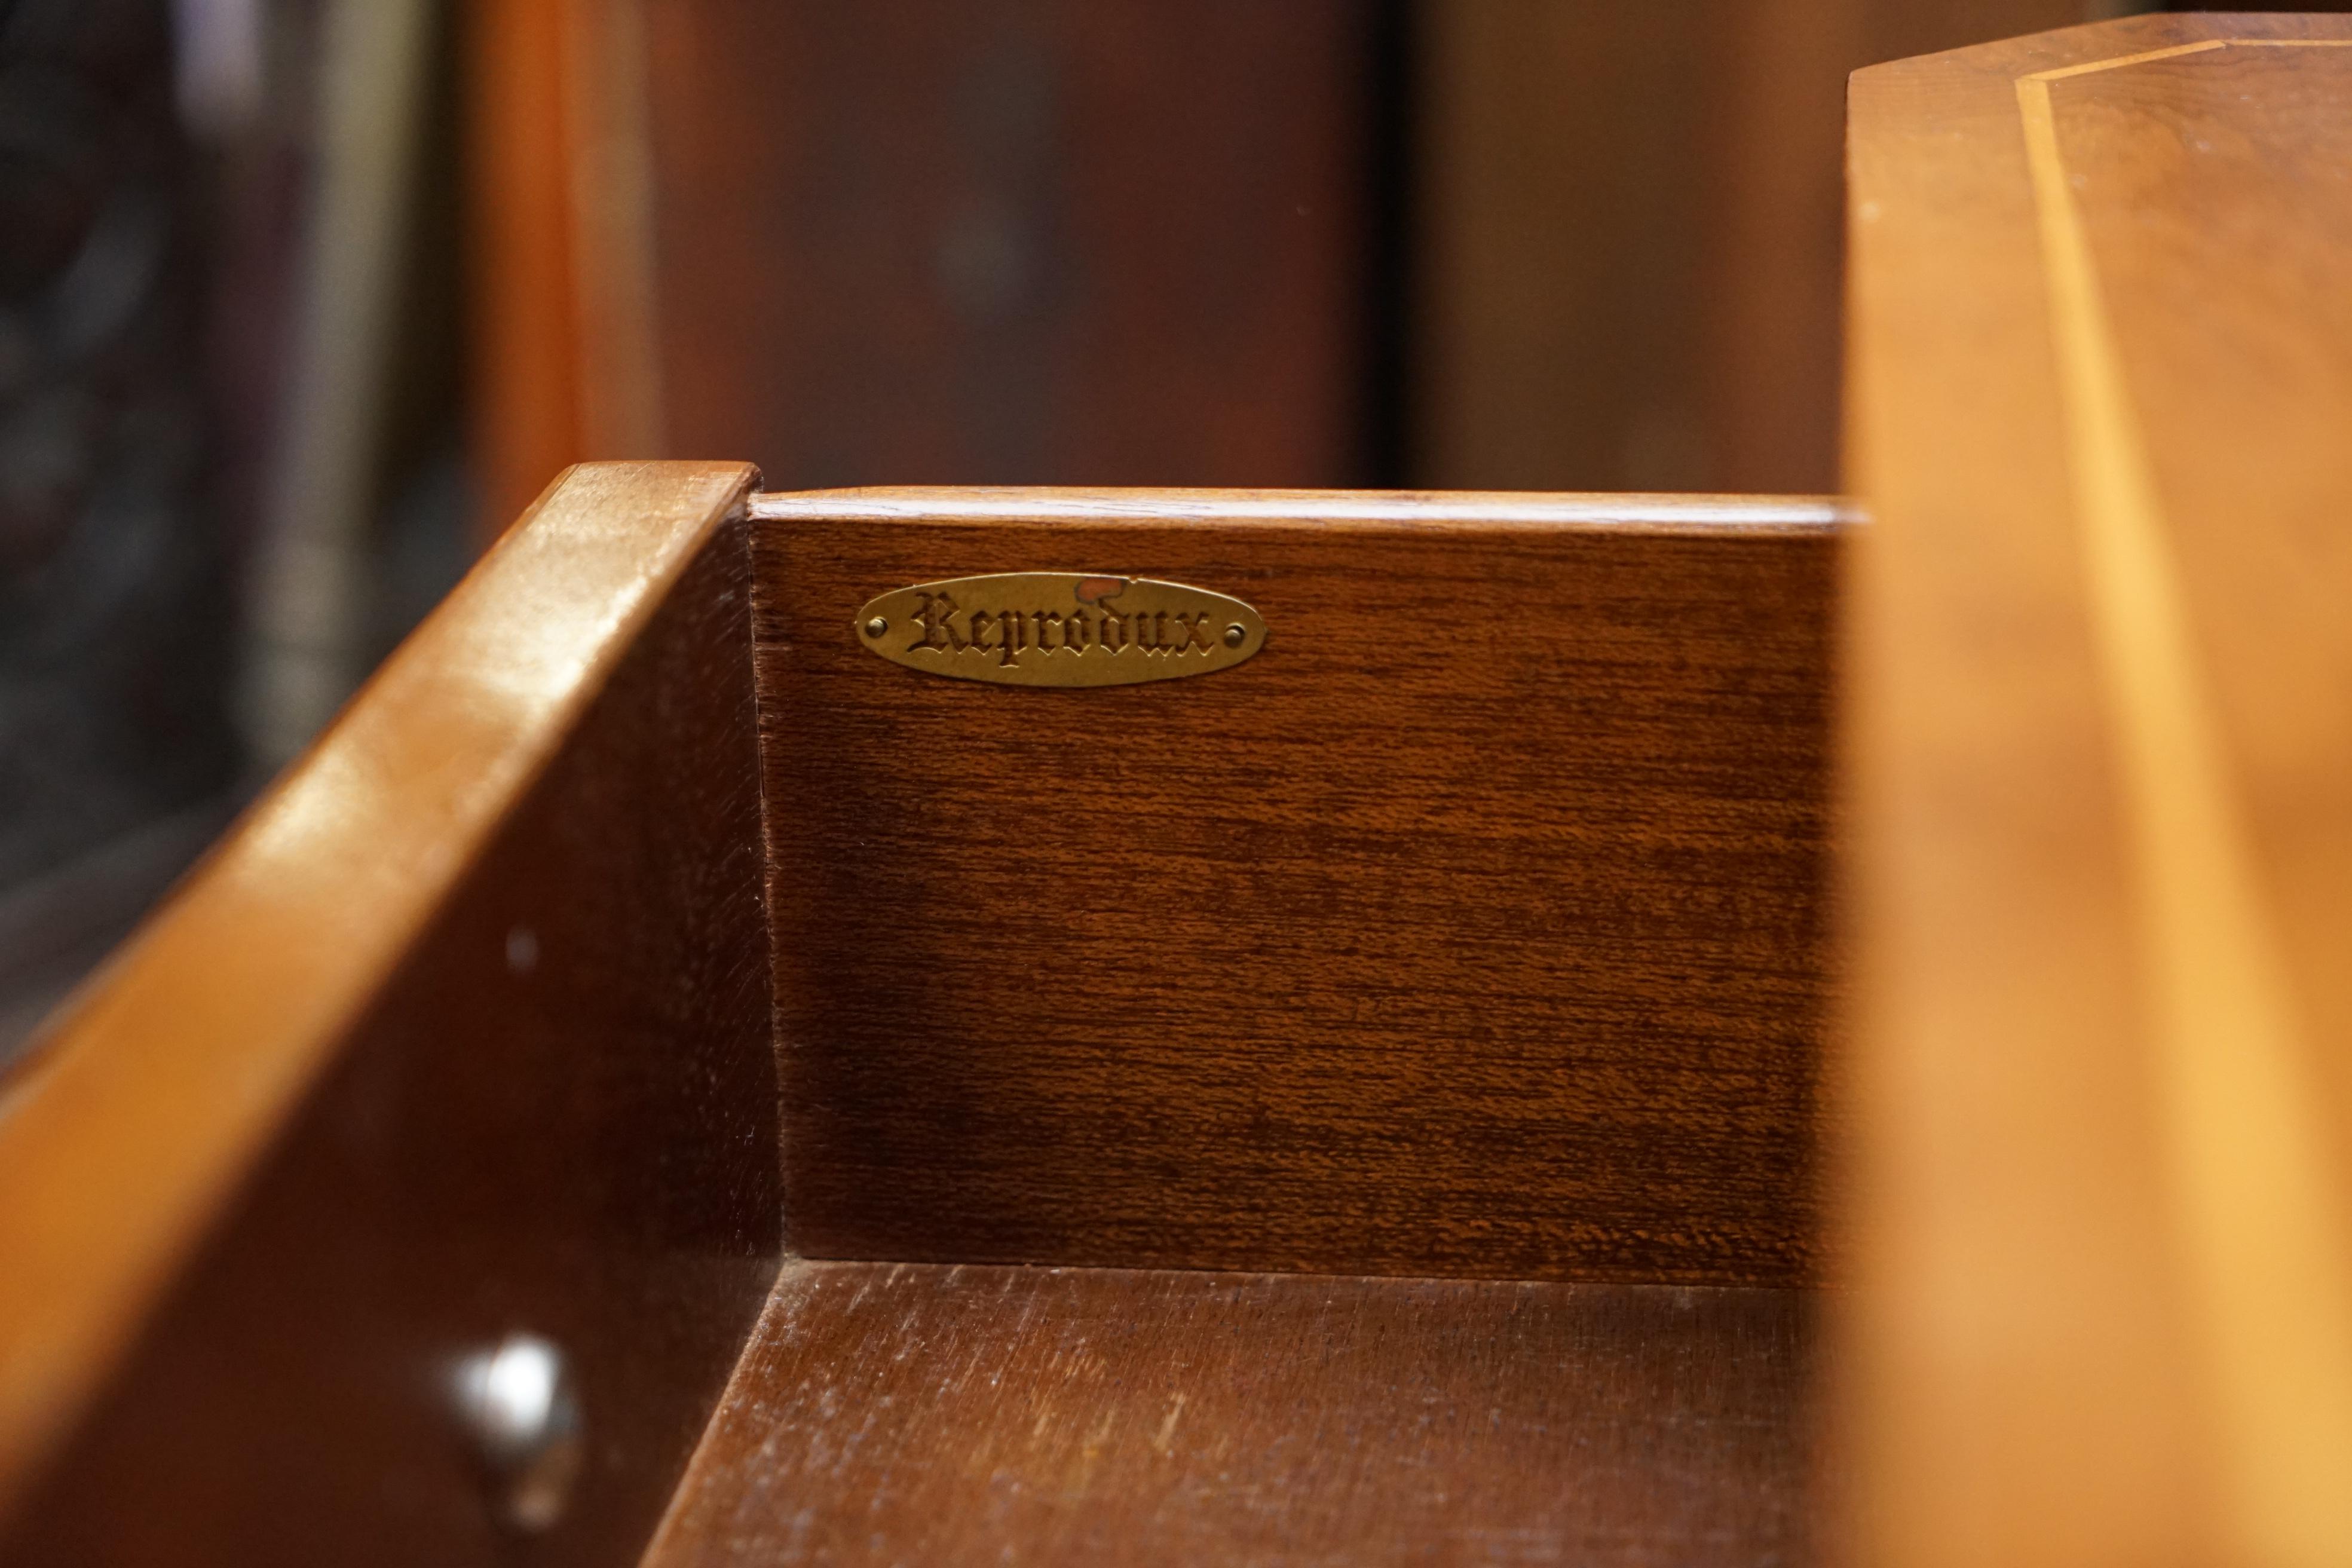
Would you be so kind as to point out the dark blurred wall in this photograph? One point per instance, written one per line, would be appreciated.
(116, 594)
(948, 241)
(1541, 244)
(1012, 241)
(1629, 222)
(169, 225)
(113, 588)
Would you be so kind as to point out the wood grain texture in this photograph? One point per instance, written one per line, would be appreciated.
(905, 1414)
(465, 1031)
(2101, 738)
(1032, 241)
(1473, 927)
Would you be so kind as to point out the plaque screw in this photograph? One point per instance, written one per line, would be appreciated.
(876, 626)
(1235, 635)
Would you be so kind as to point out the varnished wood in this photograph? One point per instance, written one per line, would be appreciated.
(1428, 955)
(564, 327)
(896, 1414)
(497, 947)
(1473, 927)
(2102, 784)
(465, 1030)
(525, 322)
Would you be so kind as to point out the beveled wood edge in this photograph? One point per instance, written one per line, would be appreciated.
(1436, 509)
(1922, 1279)
(128, 1126)
(2104, 44)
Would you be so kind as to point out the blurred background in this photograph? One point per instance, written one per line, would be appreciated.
(302, 301)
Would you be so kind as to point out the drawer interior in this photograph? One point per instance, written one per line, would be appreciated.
(1359, 1104)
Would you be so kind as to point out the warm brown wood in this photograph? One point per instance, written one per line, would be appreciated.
(1473, 927)
(562, 325)
(2102, 760)
(1031, 241)
(905, 1414)
(464, 1031)
(524, 326)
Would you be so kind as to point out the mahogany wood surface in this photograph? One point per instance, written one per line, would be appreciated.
(2101, 758)
(465, 1031)
(1473, 927)
(909, 1413)
(525, 316)
(562, 326)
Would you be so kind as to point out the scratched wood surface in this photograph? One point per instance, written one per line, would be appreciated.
(464, 1031)
(2102, 760)
(910, 1414)
(1473, 927)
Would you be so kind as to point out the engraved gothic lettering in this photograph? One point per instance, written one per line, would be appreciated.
(1054, 632)
(937, 618)
(1074, 626)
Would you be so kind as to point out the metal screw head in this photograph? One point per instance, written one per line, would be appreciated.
(518, 1400)
(876, 626)
(1235, 635)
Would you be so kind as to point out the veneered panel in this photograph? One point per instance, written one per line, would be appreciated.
(2098, 737)
(1474, 926)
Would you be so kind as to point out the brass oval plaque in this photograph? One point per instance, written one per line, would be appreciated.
(1059, 628)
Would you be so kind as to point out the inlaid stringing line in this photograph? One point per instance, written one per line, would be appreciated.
(2088, 67)
(2263, 1233)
